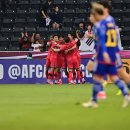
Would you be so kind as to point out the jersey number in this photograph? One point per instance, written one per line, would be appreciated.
(111, 38)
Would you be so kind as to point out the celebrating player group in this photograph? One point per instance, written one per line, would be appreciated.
(63, 55)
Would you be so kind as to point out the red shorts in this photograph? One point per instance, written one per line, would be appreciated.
(48, 62)
(62, 63)
(54, 61)
(73, 62)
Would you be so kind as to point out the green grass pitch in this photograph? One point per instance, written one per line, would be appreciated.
(43, 107)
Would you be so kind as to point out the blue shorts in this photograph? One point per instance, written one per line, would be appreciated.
(102, 69)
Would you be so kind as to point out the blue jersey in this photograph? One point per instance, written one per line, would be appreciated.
(107, 40)
(94, 30)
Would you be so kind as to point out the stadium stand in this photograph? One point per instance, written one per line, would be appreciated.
(24, 15)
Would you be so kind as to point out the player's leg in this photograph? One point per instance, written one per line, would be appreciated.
(70, 78)
(91, 68)
(82, 77)
(76, 64)
(74, 76)
(47, 69)
(100, 70)
(122, 73)
(70, 70)
(125, 76)
(120, 84)
(102, 93)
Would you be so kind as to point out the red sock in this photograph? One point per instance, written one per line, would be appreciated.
(46, 74)
(50, 75)
(70, 76)
(81, 74)
(59, 75)
(56, 76)
(78, 74)
(74, 75)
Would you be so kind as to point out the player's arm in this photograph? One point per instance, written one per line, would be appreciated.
(56, 50)
(102, 41)
(66, 51)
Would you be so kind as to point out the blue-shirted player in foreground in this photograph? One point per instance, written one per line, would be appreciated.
(106, 56)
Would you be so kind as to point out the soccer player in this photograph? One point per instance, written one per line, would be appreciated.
(48, 62)
(106, 56)
(53, 71)
(121, 72)
(90, 65)
(72, 61)
(62, 63)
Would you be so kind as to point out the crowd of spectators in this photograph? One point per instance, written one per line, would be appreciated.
(36, 42)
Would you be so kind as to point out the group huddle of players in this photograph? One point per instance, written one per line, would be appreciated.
(63, 55)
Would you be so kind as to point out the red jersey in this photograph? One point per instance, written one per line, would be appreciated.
(49, 43)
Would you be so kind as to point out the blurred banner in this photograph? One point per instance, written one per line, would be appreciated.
(33, 71)
(30, 72)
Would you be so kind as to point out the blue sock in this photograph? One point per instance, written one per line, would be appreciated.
(96, 88)
(102, 89)
(128, 86)
(122, 87)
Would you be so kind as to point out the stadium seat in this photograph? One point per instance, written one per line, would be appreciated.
(70, 4)
(1, 13)
(117, 4)
(53, 31)
(20, 22)
(31, 22)
(6, 32)
(8, 23)
(14, 41)
(30, 30)
(125, 40)
(17, 31)
(33, 13)
(21, 13)
(69, 12)
(14, 48)
(127, 13)
(81, 13)
(78, 20)
(126, 22)
(3, 48)
(83, 4)
(59, 3)
(35, 4)
(42, 30)
(4, 42)
(126, 31)
(68, 22)
(23, 4)
(10, 14)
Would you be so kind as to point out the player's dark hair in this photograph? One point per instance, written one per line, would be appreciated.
(105, 4)
(72, 34)
(55, 35)
(66, 39)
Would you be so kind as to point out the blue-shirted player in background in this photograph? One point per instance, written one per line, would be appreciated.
(106, 56)
(121, 72)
